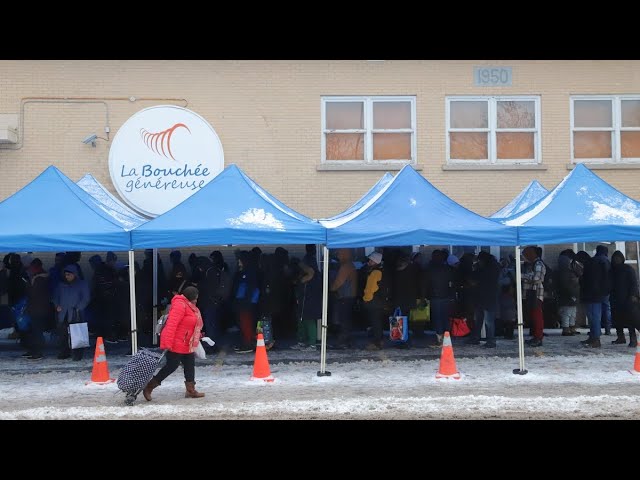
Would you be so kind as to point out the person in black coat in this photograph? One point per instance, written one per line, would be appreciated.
(593, 289)
(623, 298)
(485, 298)
(438, 288)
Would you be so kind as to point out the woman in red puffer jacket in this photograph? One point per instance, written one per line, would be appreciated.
(180, 337)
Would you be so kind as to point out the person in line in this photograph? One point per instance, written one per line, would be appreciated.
(180, 338)
(533, 289)
(376, 299)
(567, 285)
(602, 259)
(71, 298)
(344, 288)
(38, 308)
(624, 298)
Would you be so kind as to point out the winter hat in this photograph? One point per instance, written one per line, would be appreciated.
(375, 257)
(111, 257)
(452, 260)
(175, 255)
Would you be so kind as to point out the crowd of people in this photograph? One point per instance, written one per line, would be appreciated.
(287, 293)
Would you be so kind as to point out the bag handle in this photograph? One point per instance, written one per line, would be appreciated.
(397, 312)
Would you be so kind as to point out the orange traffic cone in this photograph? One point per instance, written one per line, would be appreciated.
(448, 367)
(636, 364)
(261, 369)
(100, 373)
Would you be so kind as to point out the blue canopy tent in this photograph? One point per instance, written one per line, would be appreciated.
(411, 211)
(582, 207)
(528, 196)
(379, 185)
(230, 209)
(52, 213)
(118, 210)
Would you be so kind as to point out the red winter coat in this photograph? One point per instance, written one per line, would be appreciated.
(181, 333)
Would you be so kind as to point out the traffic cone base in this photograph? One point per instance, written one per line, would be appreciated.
(100, 372)
(448, 367)
(636, 363)
(261, 369)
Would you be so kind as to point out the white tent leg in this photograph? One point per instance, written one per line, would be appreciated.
(522, 370)
(132, 299)
(325, 300)
(155, 293)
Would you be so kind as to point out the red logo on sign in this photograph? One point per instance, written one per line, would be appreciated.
(151, 140)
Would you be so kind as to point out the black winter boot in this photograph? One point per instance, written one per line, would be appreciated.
(621, 340)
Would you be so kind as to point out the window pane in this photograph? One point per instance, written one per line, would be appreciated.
(468, 146)
(516, 115)
(345, 115)
(592, 113)
(592, 144)
(345, 146)
(391, 146)
(631, 113)
(630, 144)
(514, 145)
(392, 115)
(469, 114)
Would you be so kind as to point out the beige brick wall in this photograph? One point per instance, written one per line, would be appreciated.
(267, 114)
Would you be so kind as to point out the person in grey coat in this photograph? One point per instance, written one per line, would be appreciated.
(70, 298)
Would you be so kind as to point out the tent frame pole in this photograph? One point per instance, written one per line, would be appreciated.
(522, 370)
(325, 299)
(155, 293)
(132, 300)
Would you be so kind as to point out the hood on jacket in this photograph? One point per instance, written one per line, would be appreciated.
(73, 268)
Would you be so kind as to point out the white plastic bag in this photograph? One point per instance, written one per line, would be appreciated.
(200, 353)
(78, 335)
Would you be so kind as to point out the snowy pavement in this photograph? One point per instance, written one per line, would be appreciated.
(564, 382)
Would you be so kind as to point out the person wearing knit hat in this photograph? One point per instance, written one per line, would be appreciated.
(375, 257)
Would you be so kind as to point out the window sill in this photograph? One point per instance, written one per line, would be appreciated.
(606, 166)
(387, 167)
(493, 166)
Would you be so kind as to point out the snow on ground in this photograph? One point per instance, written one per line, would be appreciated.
(557, 387)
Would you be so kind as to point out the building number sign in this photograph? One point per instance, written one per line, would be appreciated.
(492, 76)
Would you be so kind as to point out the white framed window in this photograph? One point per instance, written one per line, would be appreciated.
(369, 130)
(605, 128)
(493, 129)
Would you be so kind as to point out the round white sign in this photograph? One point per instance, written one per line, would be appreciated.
(161, 156)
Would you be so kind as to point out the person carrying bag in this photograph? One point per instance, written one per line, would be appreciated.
(180, 337)
(71, 298)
